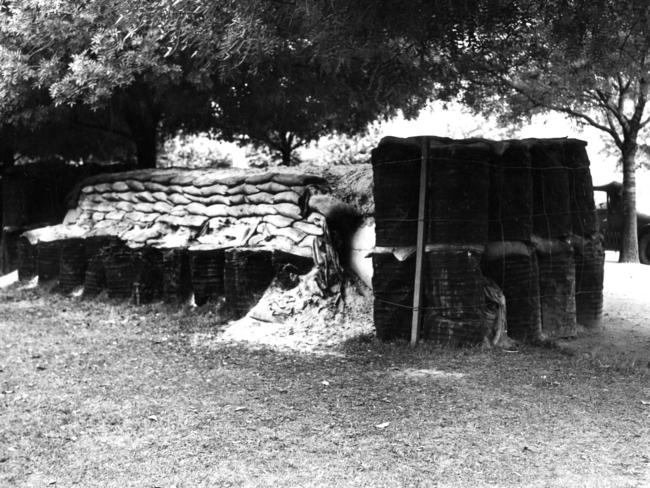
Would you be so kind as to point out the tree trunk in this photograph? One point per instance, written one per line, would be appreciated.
(285, 153)
(142, 116)
(146, 145)
(629, 252)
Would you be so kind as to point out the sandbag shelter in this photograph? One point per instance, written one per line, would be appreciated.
(518, 213)
(167, 234)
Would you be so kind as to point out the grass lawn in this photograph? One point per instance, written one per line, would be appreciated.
(98, 394)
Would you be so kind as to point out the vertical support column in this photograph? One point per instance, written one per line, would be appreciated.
(420, 244)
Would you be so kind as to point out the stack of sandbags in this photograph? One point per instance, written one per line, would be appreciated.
(396, 183)
(72, 264)
(207, 271)
(589, 252)
(392, 284)
(581, 189)
(511, 194)
(513, 267)
(148, 285)
(247, 273)
(590, 266)
(551, 209)
(458, 194)
(144, 207)
(121, 268)
(557, 283)
(176, 281)
(455, 306)
(27, 267)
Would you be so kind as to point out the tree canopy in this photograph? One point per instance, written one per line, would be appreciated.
(588, 60)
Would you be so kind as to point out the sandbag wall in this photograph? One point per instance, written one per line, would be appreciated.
(519, 212)
(165, 234)
(456, 230)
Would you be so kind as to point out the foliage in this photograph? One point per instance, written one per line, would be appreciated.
(587, 60)
(194, 151)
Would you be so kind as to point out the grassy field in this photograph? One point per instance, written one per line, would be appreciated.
(98, 394)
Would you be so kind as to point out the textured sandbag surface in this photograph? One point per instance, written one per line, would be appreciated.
(557, 283)
(247, 273)
(454, 298)
(590, 265)
(27, 259)
(48, 256)
(511, 195)
(518, 276)
(581, 189)
(392, 283)
(458, 194)
(207, 274)
(72, 264)
(396, 182)
(551, 210)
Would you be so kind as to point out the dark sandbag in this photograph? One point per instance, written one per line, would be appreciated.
(121, 265)
(511, 195)
(48, 256)
(207, 273)
(557, 291)
(247, 274)
(177, 279)
(459, 184)
(392, 283)
(27, 259)
(590, 266)
(396, 182)
(96, 249)
(551, 211)
(581, 189)
(72, 264)
(454, 301)
(148, 285)
(518, 276)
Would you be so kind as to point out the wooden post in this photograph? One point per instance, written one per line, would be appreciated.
(419, 249)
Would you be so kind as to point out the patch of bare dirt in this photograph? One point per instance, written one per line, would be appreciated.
(624, 338)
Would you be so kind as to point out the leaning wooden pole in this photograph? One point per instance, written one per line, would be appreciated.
(419, 246)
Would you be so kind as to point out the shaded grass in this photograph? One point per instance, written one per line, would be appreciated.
(99, 394)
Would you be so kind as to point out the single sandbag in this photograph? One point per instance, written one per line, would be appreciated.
(124, 206)
(278, 220)
(216, 189)
(192, 220)
(287, 197)
(145, 196)
(154, 187)
(196, 208)
(135, 185)
(143, 207)
(178, 211)
(243, 189)
(217, 210)
(178, 199)
(162, 207)
(288, 210)
(260, 197)
(160, 196)
(259, 178)
(120, 186)
(182, 179)
(306, 227)
(273, 187)
(115, 215)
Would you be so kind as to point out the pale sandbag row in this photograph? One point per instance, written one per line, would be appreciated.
(219, 182)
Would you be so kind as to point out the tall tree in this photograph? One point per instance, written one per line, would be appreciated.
(588, 60)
